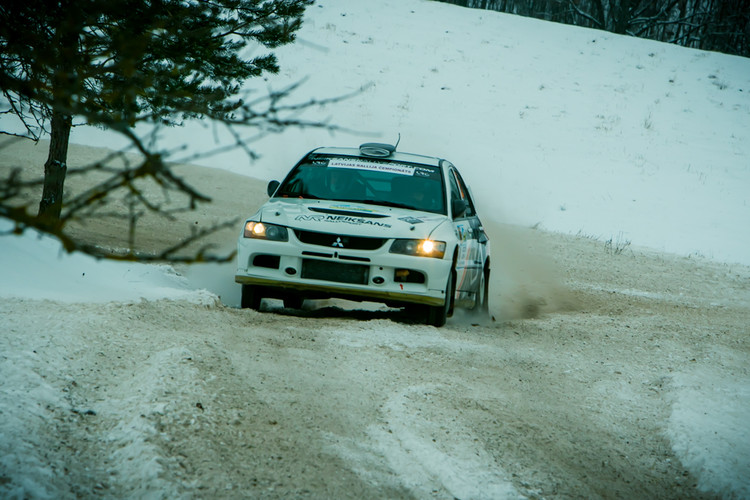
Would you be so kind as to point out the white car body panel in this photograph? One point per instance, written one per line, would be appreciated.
(342, 248)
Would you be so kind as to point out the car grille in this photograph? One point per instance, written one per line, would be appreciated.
(339, 241)
(335, 271)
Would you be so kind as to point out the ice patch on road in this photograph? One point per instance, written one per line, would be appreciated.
(27, 401)
(399, 337)
(136, 460)
(426, 459)
(709, 430)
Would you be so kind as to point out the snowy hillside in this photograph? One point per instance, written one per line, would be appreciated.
(573, 129)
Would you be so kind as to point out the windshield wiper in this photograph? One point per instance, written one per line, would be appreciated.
(306, 196)
(388, 204)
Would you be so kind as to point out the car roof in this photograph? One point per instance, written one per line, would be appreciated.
(395, 156)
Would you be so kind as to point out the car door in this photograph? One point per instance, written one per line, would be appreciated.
(471, 237)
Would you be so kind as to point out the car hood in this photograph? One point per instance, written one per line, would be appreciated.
(350, 218)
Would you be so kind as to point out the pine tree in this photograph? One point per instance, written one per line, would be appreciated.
(116, 63)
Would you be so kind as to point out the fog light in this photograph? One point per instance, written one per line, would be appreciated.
(290, 271)
(408, 276)
(378, 280)
(269, 261)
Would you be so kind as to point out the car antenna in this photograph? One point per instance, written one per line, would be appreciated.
(399, 140)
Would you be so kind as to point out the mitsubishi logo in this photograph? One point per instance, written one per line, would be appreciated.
(338, 243)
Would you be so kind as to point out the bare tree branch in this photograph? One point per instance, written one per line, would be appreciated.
(122, 194)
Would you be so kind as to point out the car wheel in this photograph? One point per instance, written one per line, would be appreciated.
(293, 302)
(482, 301)
(250, 297)
(438, 315)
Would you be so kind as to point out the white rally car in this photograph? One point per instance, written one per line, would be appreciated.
(367, 223)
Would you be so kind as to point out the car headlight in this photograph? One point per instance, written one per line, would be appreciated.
(420, 248)
(263, 231)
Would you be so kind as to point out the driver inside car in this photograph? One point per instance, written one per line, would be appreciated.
(344, 183)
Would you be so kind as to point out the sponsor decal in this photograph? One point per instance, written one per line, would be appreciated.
(356, 163)
(424, 172)
(352, 207)
(411, 220)
(462, 232)
(345, 219)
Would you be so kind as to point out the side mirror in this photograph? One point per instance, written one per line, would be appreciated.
(272, 187)
(458, 207)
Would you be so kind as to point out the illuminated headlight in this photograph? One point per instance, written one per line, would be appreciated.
(265, 231)
(421, 248)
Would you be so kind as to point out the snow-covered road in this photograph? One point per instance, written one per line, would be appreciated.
(604, 374)
(629, 383)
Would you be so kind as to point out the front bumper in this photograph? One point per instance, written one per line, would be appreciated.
(316, 271)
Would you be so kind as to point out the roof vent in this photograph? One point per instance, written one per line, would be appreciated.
(377, 149)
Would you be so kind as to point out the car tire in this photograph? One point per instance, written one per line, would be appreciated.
(482, 301)
(438, 315)
(293, 302)
(250, 297)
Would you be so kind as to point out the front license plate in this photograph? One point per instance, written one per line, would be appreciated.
(335, 271)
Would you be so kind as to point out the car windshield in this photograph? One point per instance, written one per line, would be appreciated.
(378, 182)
